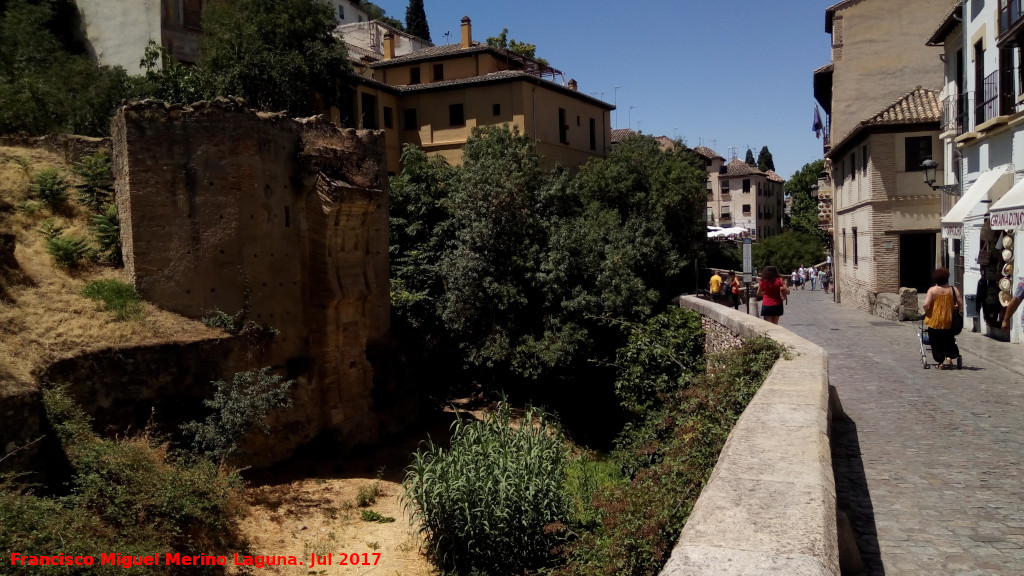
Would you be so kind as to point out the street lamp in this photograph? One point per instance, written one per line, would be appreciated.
(814, 191)
(928, 169)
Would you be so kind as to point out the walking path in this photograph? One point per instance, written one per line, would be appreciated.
(929, 466)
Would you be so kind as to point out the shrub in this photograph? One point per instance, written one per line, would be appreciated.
(127, 495)
(238, 408)
(371, 516)
(68, 251)
(666, 459)
(661, 356)
(119, 298)
(492, 502)
(49, 186)
(97, 185)
(106, 226)
(50, 229)
(367, 495)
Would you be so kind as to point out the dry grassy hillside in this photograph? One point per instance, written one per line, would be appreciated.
(43, 316)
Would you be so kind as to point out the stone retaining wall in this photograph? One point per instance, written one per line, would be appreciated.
(770, 504)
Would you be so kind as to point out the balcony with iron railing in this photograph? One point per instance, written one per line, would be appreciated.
(956, 113)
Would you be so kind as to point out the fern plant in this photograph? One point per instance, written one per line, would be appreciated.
(97, 186)
(49, 186)
(51, 229)
(68, 251)
(106, 226)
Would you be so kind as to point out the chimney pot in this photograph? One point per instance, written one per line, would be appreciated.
(573, 85)
(389, 45)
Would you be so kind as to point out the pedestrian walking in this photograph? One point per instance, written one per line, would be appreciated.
(772, 291)
(715, 287)
(823, 280)
(734, 288)
(940, 304)
(813, 272)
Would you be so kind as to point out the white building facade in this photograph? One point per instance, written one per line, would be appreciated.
(982, 130)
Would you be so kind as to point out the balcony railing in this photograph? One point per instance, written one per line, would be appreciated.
(956, 113)
(987, 106)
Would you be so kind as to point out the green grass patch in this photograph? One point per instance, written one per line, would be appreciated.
(119, 297)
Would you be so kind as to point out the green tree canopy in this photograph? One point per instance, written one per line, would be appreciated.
(503, 42)
(276, 54)
(416, 20)
(520, 268)
(374, 12)
(765, 161)
(788, 251)
(803, 213)
(750, 158)
(46, 85)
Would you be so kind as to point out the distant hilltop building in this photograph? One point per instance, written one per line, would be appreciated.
(433, 96)
(741, 196)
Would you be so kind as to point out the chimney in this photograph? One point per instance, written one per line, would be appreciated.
(389, 45)
(467, 33)
(573, 85)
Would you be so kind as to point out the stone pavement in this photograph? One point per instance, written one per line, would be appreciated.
(929, 463)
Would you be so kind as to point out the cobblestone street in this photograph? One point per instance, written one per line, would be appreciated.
(929, 465)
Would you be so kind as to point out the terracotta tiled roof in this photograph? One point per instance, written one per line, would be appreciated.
(433, 52)
(740, 168)
(773, 176)
(707, 153)
(948, 23)
(919, 106)
(620, 134)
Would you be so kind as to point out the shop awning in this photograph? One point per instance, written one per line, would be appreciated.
(1008, 212)
(977, 195)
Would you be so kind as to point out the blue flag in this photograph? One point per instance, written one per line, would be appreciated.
(817, 127)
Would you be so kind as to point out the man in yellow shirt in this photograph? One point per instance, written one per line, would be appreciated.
(715, 287)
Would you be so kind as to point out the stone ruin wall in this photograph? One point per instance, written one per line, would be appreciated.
(222, 207)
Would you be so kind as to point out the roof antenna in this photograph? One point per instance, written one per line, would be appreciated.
(447, 35)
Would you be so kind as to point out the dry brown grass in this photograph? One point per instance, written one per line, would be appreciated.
(44, 317)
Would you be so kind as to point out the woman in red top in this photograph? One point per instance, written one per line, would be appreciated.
(772, 291)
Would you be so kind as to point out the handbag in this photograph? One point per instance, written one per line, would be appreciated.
(958, 318)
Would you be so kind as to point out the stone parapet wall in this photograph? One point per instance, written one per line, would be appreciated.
(770, 504)
(718, 338)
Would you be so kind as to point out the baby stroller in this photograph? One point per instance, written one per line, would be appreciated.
(926, 347)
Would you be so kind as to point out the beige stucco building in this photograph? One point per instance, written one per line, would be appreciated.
(742, 196)
(880, 96)
(435, 96)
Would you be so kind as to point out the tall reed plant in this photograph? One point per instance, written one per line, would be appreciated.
(495, 502)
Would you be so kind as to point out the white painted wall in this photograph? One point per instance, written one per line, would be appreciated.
(117, 31)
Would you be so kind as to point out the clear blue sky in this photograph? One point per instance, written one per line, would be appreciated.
(725, 74)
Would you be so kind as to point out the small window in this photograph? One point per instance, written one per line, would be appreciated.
(844, 245)
(341, 12)
(593, 134)
(388, 114)
(578, 122)
(409, 119)
(438, 72)
(725, 187)
(726, 212)
(746, 184)
(369, 111)
(711, 215)
(563, 128)
(746, 209)
(864, 158)
(854, 246)
(918, 149)
(707, 184)
(456, 115)
(853, 166)
(414, 75)
(496, 110)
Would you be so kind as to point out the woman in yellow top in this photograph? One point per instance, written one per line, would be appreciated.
(938, 316)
